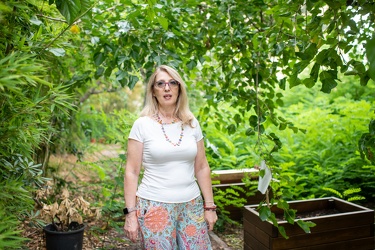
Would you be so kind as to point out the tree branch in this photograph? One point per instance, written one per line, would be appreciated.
(94, 91)
(52, 18)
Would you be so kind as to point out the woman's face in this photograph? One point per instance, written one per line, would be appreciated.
(165, 89)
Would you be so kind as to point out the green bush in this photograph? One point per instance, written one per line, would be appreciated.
(28, 109)
(327, 155)
(9, 230)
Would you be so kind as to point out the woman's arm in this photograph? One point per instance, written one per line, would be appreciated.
(203, 175)
(132, 170)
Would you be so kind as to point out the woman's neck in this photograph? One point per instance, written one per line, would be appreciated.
(168, 114)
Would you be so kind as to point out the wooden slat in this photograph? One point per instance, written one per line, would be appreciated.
(253, 243)
(339, 235)
(253, 217)
(257, 233)
(356, 244)
(332, 222)
(233, 175)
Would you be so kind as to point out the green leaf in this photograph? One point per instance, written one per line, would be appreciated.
(282, 232)
(328, 80)
(282, 83)
(250, 131)
(370, 53)
(321, 58)
(353, 26)
(314, 73)
(306, 225)
(72, 9)
(309, 53)
(264, 213)
(163, 22)
(282, 204)
(231, 129)
(308, 82)
(282, 126)
(253, 120)
(132, 81)
(99, 58)
(290, 215)
(57, 51)
(35, 20)
(122, 157)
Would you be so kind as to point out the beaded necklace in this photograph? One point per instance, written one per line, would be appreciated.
(159, 120)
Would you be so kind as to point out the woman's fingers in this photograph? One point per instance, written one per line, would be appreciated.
(131, 228)
(131, 235)
(211, 219)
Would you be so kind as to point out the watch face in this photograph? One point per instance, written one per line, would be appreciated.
(129, 210)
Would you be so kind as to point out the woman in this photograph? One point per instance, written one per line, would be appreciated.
(167, 209)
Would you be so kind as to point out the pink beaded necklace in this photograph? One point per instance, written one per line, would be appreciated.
(159, 120)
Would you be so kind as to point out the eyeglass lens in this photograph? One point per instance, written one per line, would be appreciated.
(171, 84)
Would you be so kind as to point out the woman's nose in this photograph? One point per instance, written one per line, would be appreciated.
(167, 87)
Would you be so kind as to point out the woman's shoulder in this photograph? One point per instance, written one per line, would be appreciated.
(143, 120)
(194, 123)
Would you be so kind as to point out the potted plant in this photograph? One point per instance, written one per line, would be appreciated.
(66, 227)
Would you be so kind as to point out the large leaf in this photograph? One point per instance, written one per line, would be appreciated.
(72, 9)
(328, 79)
(306, 225)
(370, 52)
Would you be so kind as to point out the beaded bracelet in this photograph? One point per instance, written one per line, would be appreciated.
(210, 209)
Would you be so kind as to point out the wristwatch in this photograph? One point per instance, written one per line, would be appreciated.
(129, 210)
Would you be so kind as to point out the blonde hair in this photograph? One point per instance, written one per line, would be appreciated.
(182, 110)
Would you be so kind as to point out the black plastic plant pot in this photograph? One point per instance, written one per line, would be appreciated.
(71, 240)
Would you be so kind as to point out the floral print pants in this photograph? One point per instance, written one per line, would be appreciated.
(173, 226)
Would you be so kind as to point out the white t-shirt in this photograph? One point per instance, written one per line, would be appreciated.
(169, 170)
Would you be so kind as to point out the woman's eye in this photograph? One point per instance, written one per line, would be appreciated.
(160, 84)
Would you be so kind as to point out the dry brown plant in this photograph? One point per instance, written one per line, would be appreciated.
(66, 213)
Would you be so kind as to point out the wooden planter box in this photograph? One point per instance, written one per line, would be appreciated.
(351, 228)
(230, 178)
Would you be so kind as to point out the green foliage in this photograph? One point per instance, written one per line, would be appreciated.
(72, 10)
(22, 169)
(112, 127)
(14, 202)
(366, 143)
(349, 194)
(9, 233)
(326, 156)
(266, 214)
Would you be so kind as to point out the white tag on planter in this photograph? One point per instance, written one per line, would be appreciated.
(264, 181)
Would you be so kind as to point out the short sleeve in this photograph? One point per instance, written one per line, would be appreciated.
(136, 131)
(197, 131)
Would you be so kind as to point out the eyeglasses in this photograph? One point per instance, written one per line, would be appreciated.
(172, 84)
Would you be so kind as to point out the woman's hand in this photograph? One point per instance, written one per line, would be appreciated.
(210, 217)
(131, 227)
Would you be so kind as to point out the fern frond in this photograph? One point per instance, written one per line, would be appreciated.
(351, 191)
(356, 198)
(333, 191)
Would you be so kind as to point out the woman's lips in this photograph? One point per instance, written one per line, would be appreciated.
(167, 96)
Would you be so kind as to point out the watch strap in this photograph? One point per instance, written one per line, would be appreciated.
(129, 210)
